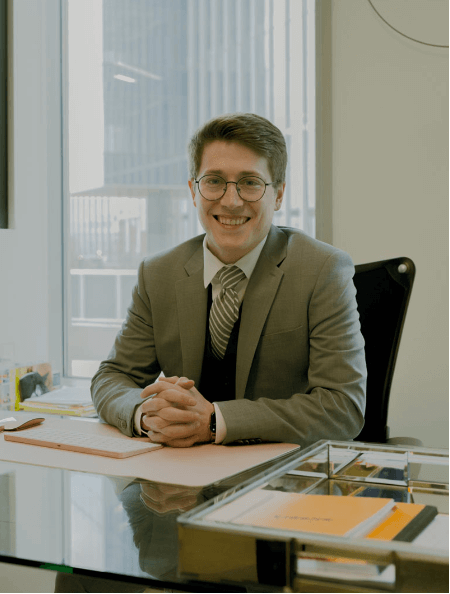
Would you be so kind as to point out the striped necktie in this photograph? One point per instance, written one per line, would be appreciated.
(224, 309)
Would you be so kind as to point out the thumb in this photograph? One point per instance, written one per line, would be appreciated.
(174, 379)
(185, 383)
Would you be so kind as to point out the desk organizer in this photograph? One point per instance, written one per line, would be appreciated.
(215, 548)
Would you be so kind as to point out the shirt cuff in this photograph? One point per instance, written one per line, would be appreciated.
(137, 421)
(221, 427)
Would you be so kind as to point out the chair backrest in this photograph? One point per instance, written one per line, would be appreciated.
(383, 290)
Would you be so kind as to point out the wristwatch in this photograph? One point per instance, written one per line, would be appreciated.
(212, 426)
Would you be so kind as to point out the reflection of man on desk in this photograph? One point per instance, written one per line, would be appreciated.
(152, 510)
(254, 326)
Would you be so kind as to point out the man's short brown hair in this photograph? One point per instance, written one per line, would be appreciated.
(248, 129)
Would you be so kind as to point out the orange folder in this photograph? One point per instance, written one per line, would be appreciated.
(405, 522)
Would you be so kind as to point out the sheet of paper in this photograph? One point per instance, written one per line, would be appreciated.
(65, 395)
(194, 467)
(435, 535)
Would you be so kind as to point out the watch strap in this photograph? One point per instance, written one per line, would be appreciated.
(212, 425)
(144, 430)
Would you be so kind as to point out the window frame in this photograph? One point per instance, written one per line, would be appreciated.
(34, 150)
(324, 172)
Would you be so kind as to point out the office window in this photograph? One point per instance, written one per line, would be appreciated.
(139, 78)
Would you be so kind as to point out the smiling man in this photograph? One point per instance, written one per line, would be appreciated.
(254, 327)
(236, 218)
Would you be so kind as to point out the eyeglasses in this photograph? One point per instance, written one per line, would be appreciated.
(250, 189)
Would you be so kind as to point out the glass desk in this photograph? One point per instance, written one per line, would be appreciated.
(138, 531)
(99, 526)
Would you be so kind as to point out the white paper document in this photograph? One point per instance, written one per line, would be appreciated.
(65, 395)
(435, 535)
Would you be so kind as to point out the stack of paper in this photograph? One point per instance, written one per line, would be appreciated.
(64, 401)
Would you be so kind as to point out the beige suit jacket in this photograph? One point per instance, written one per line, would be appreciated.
(301, 372)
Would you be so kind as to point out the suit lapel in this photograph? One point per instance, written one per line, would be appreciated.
(192, 302)
(258, 299)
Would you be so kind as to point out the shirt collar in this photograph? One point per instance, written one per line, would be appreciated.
(212, 264)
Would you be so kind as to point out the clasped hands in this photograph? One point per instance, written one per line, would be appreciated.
(166, 499)
(177, 415)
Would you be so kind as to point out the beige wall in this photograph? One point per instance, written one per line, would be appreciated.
(389, 128)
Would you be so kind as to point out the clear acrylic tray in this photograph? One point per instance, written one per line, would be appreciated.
(219, 543)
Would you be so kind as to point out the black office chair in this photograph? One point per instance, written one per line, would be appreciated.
(383, 290)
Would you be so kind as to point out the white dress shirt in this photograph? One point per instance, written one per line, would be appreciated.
(212, 265)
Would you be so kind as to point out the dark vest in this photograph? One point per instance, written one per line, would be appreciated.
(218, 378)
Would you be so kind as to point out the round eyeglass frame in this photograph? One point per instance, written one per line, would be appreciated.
(197, 181)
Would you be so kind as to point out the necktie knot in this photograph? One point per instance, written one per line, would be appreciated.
(230, 276)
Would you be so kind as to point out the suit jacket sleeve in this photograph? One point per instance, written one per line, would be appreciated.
(332, 404)
(132, 364)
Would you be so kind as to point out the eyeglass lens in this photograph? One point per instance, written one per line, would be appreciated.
(213, 187)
